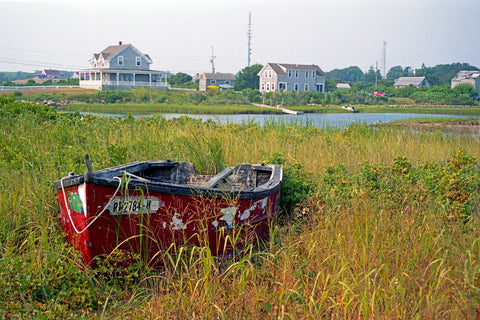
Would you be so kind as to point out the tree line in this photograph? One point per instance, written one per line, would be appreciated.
(362, 87)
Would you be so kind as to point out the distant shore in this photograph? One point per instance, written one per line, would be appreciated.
(468, 125)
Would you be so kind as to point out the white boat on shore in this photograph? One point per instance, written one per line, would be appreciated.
(350, 109)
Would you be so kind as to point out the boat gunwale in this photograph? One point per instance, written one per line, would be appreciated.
(105, 177)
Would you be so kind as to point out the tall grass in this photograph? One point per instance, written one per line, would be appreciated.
(389, 228)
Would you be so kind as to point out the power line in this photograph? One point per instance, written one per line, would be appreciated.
(41, 51)
(40, 64)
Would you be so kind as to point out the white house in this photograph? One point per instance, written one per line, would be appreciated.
(121, 66)
(468, 76)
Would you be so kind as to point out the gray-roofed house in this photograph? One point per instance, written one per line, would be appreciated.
(221, 80)
(468, 76)
(119, 67)
(417, 82)
(283, 77)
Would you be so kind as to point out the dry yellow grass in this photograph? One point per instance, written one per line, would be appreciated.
(30, 92)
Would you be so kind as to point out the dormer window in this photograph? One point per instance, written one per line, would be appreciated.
(138, 61)
(120, 60)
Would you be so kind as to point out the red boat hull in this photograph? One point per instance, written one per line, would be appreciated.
(99, 220)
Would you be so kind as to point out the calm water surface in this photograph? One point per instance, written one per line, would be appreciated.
(320, 120)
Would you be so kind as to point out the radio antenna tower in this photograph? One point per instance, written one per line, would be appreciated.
(249, 36)
(384, 60)
(211, 61)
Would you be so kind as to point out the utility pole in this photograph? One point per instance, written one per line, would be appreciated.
(249, 36)
(211, 61)
(384, 60)
(376, 72)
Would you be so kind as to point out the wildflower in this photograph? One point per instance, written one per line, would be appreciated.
(344, 181)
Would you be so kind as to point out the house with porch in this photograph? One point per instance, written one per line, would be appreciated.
(282, 77)
(120, 67)
(417, 82)
(221, 80)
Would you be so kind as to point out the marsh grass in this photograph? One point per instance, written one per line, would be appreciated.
(446, 120)
(388, 228)
(119, 108)
(457, 110)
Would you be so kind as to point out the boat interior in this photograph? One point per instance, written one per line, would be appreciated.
(183, 173)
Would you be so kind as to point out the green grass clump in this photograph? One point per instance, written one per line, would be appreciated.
(377, 222)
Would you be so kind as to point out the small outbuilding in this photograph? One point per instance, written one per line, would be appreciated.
(221, 80)
(343, 86)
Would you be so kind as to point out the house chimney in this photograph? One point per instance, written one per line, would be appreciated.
(119, 43)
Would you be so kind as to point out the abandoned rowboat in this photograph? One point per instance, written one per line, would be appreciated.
(145, 207)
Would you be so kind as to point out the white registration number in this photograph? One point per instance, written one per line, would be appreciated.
(134, 205)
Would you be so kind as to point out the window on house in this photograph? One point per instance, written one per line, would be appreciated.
(282, 86)
(289, 73)
(319, 87)
(263, 86)
(295, 87)
(306, 74)
(227, 81)
(306, 87)
(268, 86)
(120, 60)
(296, 73)
(138, 61)
(273, 86)
(212, 82)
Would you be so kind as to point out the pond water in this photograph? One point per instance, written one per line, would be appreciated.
(320, 120)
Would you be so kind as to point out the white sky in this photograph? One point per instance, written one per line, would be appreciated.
(179, 34)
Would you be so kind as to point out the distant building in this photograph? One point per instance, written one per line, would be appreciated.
(281, 77)
(417, 82)
(343, 86)
(121, 66)
(468, 76)
(221, 80)
(76, 75)
(48, 74)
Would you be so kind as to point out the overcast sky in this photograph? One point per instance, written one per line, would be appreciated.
(179, 34)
